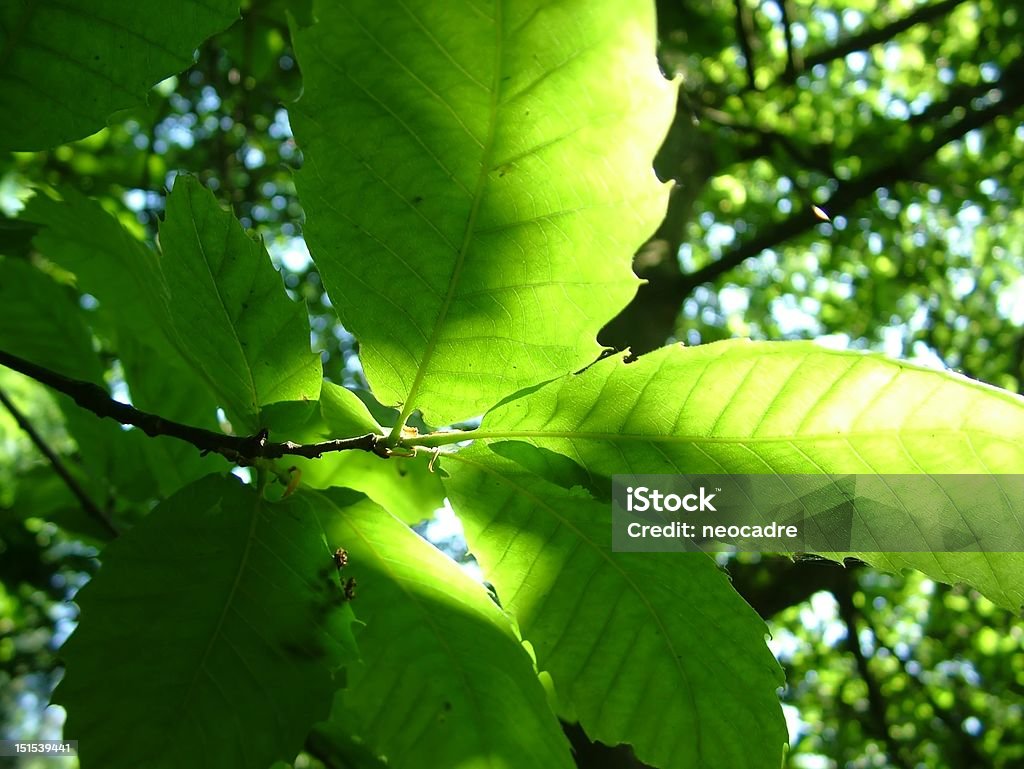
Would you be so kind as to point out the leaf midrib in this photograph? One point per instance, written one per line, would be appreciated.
(254, 403)
(486, 158)
(732, 440)
(228, 602)
(400, 581)
(604, 555)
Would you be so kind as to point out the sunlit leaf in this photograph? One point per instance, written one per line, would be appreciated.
(653, 649)
(476, 181)
(231, 316)
(404, 486)
(344, 414)
(211, 297)
(739, 407)
(444, 678)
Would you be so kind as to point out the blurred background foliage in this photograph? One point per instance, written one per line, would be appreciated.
(846, 170)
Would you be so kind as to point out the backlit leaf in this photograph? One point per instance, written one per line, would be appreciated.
(740, 407)
(444, 678)
(476, 180)
(210, 297)
(229, 310)
(652, 649)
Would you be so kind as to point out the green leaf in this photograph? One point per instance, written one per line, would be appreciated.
(109, 263)
(210, 637)
(16, 236)
(66, 65)
(405, 487)
(40, 322)
(444, 678)
(176, 393)
(345, 415)
(476, 182)
(233, 319)
(212, 299)
(740, 407)
(40, 493)
(653, 649)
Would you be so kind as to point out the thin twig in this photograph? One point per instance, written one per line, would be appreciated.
(745, 37)
(848, 193)
(794, 59)
(875, 35)
(237, 449)
(878, 721)
(90, 507)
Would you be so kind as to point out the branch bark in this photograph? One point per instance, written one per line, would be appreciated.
(794, 58)
(745, 39)
(91, 508)
(651, 317)
(878, 721)
(876, 35)
(846, 194)
(238, 449)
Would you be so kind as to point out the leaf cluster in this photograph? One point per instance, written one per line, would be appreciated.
(476, 181)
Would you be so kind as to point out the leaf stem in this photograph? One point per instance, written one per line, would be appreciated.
(433, 440)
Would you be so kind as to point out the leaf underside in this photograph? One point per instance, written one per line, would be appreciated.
(444, 678)
(209, 638)
(653, 649)
(41, 322)
(229, 310)
(742, 407)
(476, 182)
(78, 61)
(210, 299)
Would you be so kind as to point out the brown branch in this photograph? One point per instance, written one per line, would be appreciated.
(329, 744)
(593, 754)
(952, 718)
(851, 192)
(745, 38)
(90, 507)
(237, 449)
(319, 745)
(794, 58)
(878, 722)
(814, 155)
(876, 35)
(959, 95)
